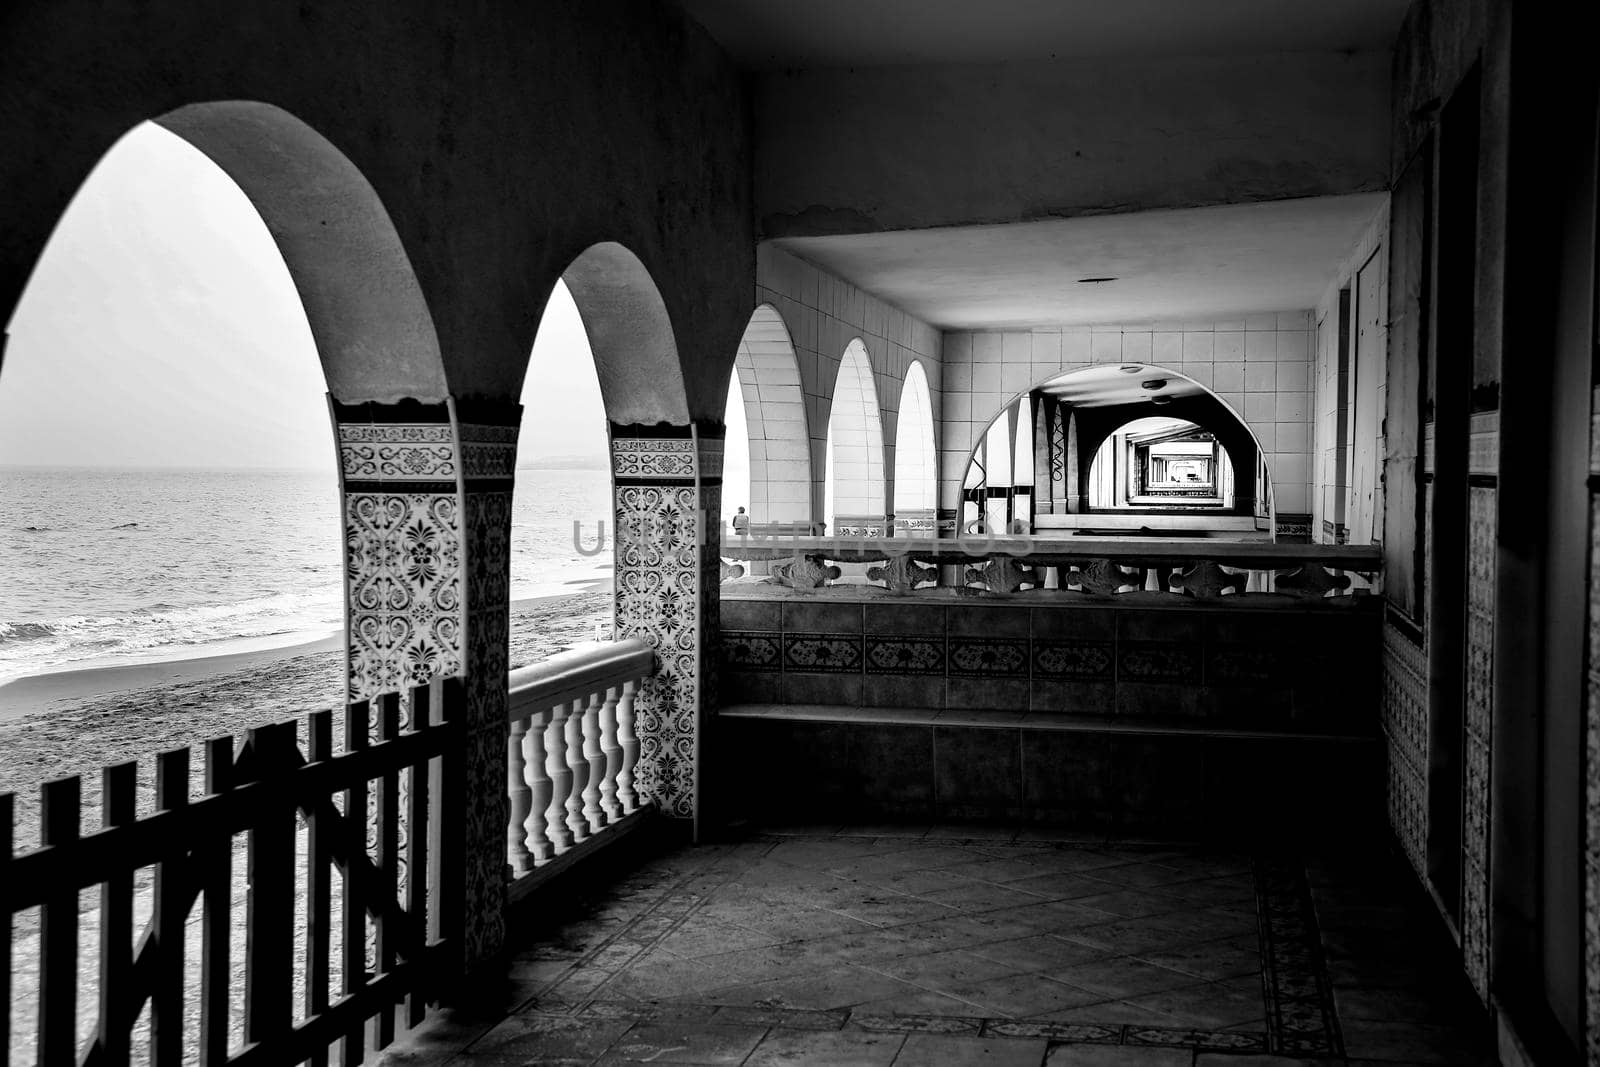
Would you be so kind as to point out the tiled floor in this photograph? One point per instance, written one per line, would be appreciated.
(936, 946)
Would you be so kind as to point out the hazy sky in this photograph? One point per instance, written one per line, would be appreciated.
(161, 328)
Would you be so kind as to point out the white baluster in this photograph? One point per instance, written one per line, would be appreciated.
(630, 747)
(597, 764)
(578, 765)
(540, 789)
(555, 746)
(521, 801)
(613, 756)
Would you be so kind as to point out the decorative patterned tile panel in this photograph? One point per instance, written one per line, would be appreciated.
(1481, 537)
(748, 650)
(1247, 664)
(1405, 726)
(903, 654)
(1158, 661)
(400, 452)
(821, 652)
(667, 555)
(1085, 660)
(978, 657)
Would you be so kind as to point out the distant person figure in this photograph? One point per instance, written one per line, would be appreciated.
(741, 523)
(1019, 526)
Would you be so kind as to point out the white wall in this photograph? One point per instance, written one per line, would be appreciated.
(823, 315)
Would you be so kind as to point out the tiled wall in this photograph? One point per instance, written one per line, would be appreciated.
(1295, 670)
(1260, 365)
(824, 314)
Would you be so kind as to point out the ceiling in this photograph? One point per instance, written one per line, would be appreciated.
(1099, 387)
(1194, 263)
(769, 35)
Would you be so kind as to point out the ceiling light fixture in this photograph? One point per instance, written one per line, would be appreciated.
(1153, 383)
(1094, 281)
(1161, 400)
(1131, 368)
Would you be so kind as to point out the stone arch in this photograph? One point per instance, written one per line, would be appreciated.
(916, 467)
(371, 323)
(854, 481)
(666, 476)
(1092, 426)
(631, 336)
(768, 374)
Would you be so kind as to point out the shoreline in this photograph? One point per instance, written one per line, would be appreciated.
(42, 693)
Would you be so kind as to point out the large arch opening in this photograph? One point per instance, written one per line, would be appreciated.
(1110, 451)
(853, 489)
(768, 459)
(916, 465)
(169, 470)
(562, 528)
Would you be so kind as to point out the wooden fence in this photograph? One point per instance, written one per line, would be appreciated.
(375, 813)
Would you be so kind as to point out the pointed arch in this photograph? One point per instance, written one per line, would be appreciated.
(854, 482)
(916, 467)
(766, 379)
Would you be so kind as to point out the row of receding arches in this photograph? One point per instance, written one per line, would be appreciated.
(770, 469)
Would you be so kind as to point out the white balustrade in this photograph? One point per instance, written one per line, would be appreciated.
(570, 749)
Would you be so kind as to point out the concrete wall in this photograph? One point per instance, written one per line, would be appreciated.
(502, 140)
(854, 151)
(1259, 365)
(824, 314)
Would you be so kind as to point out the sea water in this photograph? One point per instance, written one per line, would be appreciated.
(105, 567)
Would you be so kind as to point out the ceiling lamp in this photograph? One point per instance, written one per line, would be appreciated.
(1131, 368)
(1161, 400)
(1154, 383)
(1094, 281)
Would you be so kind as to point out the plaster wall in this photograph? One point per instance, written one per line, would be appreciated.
(824, 314)
(1330, 495)
(503, 142)
(1259, 365)
(862, 150)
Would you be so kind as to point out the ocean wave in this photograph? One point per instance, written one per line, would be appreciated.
(37, 529)
(16, 632)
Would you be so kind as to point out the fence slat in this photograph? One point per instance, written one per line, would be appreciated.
(319, 890)
(8, 843)
(215, 874)
(417, 863)
(269, 903)
(166, 924)
(446, 885)
(58, 932)
(388, 858)
(119, 784)
(357, 723)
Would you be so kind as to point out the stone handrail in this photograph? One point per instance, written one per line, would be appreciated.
(571, 750)
(1194, 567)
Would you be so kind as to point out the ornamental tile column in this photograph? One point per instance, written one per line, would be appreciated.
(427, 512)
(668, 495)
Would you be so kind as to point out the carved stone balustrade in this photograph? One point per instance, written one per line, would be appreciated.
(571, 750)
(1154, 569)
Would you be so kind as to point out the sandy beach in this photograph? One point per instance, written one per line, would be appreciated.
(75, 722)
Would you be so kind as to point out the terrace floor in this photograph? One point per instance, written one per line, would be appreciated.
(960, 945)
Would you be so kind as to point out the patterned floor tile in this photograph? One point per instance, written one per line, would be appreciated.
(840, 948)
(937, 1050)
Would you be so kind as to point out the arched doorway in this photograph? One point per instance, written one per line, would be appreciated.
(853, 490)
(768, 450)
(1078, 450)
(667, 481)
(916, 466)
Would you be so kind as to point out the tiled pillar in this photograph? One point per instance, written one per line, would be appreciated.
(427, 510)
(1483, 465)
(668, 490)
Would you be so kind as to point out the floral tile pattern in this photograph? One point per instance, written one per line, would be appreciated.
(667, 581)
(1074, 659)
(979, 657)
(1405, 725)
(905, 655)
(821, 652)
(1150, 661)
(1481, 536)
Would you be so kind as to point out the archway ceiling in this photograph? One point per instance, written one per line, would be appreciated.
(763, 35)
(1100, 387)
(1193, 263)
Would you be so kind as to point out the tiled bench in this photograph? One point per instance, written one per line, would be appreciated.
(1166, 778)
